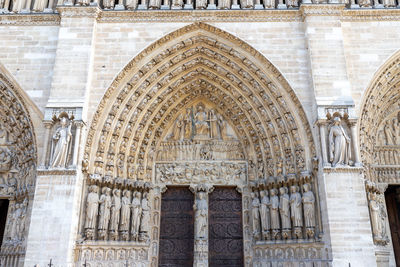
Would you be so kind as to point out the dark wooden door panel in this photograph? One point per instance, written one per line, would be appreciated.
(176, 230)
(225, 228)
(393, 209)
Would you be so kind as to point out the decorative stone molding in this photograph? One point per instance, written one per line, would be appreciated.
(79, 12)
(30, 19)
(322, 10)
(370, 15)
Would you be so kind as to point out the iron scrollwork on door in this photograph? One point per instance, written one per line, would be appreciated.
(225, 228)
(176, 231)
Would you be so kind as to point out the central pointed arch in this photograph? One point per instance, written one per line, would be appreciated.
(198, 61)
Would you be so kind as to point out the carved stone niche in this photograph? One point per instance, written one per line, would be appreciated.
(339, 143)
(377, 212)
(61, 138)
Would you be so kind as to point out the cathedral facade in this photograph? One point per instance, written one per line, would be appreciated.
(199, 133)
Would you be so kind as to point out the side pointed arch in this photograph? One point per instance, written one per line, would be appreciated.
(198, 61)
(379, 124)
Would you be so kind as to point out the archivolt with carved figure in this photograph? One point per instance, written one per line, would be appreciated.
(198, 106)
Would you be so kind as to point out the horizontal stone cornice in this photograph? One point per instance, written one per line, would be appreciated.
(30, 19)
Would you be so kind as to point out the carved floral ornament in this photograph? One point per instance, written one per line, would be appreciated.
(197, 62)
(380, 125)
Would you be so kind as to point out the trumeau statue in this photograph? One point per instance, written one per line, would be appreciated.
(265, 214)
(309, 209)
(92, 205)
(105, 211)
(61, 142)
(115, 212)
(339, 145)
(136, 213)
(201, 216)
(255, 212)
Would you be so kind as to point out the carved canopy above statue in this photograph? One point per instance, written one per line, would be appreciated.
(198, 64)
(380, 124)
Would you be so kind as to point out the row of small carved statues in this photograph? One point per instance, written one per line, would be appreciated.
(281, 217)
(112, 217)
(387, 157)
(15, 227)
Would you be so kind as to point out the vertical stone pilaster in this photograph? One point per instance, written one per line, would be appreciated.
(354, 138)
(324, 151)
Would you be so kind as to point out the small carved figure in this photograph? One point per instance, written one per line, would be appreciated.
(201, 214)
(265, 214)
(61, 141)
(215, 132)
(339, 144)
(255, 212)
(115, 213)
(136, 212)
(188, 124)
(105, 211)
(274, 209)
(145, 218)
(389, 133)
(92, 206)
(177, 133)
(16, 222)
(309, 210)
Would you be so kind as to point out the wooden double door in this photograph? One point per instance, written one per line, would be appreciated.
(177, 228)
(392, 197)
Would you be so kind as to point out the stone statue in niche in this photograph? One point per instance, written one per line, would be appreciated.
(92, 206)
(339, 145)
(246, 4)
(284, 210)
(115, 214)
(215, 131)
(136, 213)
(391, 130)
(177, 4)
(200, 208)
(145, 218)
(255, 212)
(296, 211)
(265, 214)
(61, 144)
(274, 209)
(224, 4)
(187, 134)
(309, 210)
(202, 128)
(105, 212)
(125, 214)
(201, 4)
(378, 218)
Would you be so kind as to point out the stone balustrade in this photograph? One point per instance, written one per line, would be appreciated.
(49, 6)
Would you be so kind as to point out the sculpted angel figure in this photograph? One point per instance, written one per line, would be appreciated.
(201, 213)
(61, 141)
(339, 144)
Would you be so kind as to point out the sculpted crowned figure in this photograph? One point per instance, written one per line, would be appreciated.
(200, 121)
(309, 210)
(295, 209)
(105, 212)
(255, 214)
(200, 208)
(339, 145)
(284, 210)
(61, 141)
(136, 213)
(115, 212)
(265, 214)
(92, 209)
(274, 208)
(125, 214)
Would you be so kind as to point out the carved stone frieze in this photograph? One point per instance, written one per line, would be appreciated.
(215, 172)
